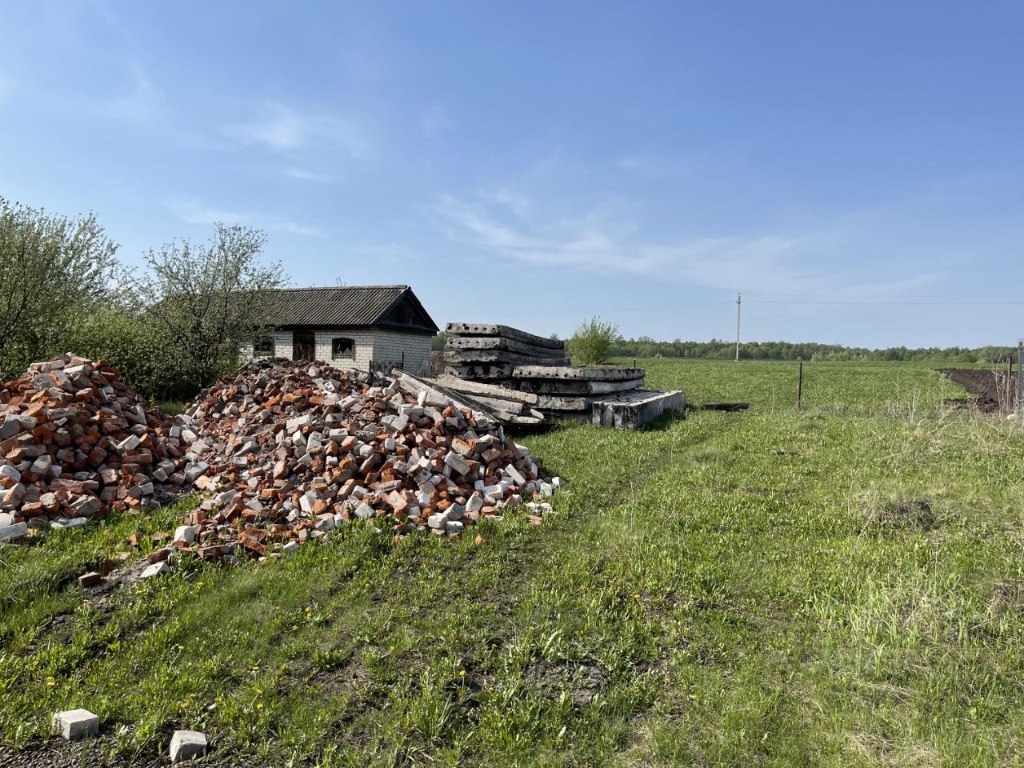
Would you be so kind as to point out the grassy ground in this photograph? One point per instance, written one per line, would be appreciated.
(842, 585)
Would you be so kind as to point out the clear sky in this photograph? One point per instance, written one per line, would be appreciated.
(856, 169)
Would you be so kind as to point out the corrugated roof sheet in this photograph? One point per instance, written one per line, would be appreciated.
(339, 306)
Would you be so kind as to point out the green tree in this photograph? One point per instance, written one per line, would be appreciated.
(53, 271)
(592, 341)
(207, 299)
(437, 342)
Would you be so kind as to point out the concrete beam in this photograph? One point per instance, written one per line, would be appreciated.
(488, 390)
(635, 410)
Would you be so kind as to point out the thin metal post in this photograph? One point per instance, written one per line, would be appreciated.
(739, 301)
(800, 386)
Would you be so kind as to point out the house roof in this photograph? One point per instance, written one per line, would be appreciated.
(348, 306)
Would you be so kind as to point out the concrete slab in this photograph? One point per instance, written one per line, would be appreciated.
(472, 356)
(578, 387)
(636, 409)
(481, 371)
(462, 343)
(585, 373)
(491, 329)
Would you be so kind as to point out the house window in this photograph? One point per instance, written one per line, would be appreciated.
(263, 346)
(342, 348)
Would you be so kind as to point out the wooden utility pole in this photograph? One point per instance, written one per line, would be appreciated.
(1008, 385)
(739, 300)
(1018, 395)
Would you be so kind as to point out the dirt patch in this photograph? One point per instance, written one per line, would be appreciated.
(987, 386)
(1007, 597)
(98, 753)
(904, 515)
(582, 681)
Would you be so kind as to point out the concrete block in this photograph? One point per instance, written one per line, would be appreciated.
(13, 531)
(186, 534)
(635, 410)
(77, 723)
(155, 570)
(186, 745)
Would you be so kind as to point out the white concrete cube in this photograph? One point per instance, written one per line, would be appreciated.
(77, 723)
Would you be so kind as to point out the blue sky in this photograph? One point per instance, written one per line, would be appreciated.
(855, 169)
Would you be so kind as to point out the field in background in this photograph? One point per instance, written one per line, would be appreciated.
(842, 585)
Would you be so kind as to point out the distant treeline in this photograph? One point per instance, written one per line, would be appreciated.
(786, 350)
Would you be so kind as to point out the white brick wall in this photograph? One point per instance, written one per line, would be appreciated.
(363, 348)
(392, 347)
(282, 347)
(377, 346)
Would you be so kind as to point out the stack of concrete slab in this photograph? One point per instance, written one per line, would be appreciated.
(522, 376)
(488, 352)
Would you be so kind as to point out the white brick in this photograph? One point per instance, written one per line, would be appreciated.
(76, 723)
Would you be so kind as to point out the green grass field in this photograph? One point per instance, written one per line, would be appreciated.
(837, 586)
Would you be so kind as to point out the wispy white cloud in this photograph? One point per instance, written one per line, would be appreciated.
(604, 241)
(304, 174)
(436, 122)
(654, 165)
(284, 129)
(300, 229)
(196, 212)
(193, 211)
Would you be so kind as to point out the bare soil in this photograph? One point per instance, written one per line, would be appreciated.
(987, 386)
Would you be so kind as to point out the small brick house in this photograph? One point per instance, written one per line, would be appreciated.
(348, 327)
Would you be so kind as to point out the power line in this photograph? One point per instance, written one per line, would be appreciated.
(845, 302)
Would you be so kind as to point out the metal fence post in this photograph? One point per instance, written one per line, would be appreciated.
(1019, 393)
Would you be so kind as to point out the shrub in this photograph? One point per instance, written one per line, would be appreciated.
(592, 342)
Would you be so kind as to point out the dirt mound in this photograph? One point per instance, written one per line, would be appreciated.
(988, 387)
(76, 442)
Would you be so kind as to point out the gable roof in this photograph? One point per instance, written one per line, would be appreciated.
(394, 306)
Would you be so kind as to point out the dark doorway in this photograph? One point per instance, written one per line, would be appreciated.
(303, 345)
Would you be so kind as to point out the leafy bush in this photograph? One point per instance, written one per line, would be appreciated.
(136, 346)
(592, 342)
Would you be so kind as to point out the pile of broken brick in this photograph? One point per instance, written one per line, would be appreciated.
(75, 442)
(284, 452)
(290, 451)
